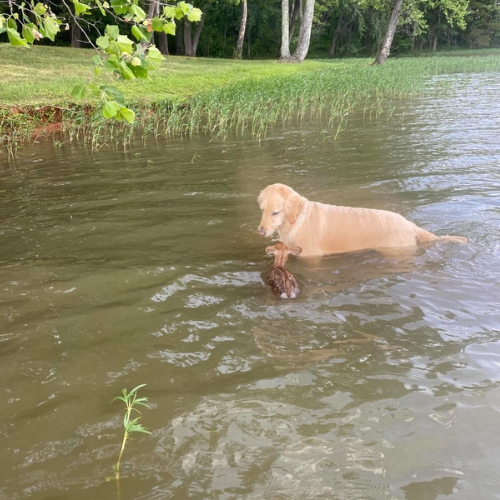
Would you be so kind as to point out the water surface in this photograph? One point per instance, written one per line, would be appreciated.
(381, 381)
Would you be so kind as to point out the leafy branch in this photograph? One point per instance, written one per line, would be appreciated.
(119, 55)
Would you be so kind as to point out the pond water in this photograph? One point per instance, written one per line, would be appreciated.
(380, 381)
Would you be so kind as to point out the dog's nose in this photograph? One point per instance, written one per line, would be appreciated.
(261, 231)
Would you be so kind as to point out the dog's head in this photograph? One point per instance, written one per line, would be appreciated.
(280, 204)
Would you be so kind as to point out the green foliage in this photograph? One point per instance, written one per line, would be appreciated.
(483, 23)
(126, 58)
(130, 424)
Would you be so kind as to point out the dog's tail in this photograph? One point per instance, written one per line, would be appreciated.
(457, 239)
(424, 236)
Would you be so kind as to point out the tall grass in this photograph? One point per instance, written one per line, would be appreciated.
(255, 104)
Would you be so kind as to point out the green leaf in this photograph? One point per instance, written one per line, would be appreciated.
(97, 70)
(169, 28)
(141, 428)
(137, 402)
(28, 33)
(194, 15)
(129, 116)
(153, 59)
(15, 38)
(183, 7)
(137, 33)
(40, 9)
(157, 24)
(145, 33)
(101, 9)
(96, 60)
(51, 27)
(139, 71)
(80, 8)
(111, 63)
(102, 42)
(117, 95)
(112, 31)
(137, 12)
(93, 88)
(125, 44)
(79, 90)
(12, 24)
(125, 72)
(169, 11)
(135, 389)
(109, 110)
(119, 6)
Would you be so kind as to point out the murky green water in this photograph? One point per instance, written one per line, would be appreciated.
(381, 381)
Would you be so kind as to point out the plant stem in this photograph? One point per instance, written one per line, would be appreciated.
(117, 469)
(125, 437)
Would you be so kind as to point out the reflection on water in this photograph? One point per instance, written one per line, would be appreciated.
(381, 380)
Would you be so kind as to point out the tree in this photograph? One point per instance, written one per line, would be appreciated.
(304, 34)
(285, 31)
(483, 23)
(385, 48)
(241, 34)
(191, 40)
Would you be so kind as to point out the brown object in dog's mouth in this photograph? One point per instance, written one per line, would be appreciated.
(279, 279)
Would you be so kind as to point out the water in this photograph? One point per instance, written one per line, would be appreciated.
(381, 381)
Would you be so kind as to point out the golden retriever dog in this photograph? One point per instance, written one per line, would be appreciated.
(321, 229)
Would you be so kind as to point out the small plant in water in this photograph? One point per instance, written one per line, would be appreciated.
(131, 425)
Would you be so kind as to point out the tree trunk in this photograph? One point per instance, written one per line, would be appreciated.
(434, 42)
(305, 33)
(297, 8)
(162, 36)
(188, 43)
(197, 34)
(243, 25)
(179, 40)
(385, 49)
(154, 9)
(285, 30)
(336, 34)
(191, 45)
(76, 34)
(163, 43)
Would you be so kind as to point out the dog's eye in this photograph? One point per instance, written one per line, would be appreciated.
(276, 213)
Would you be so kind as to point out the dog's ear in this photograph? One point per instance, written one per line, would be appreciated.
(293, 206)
(294, 250)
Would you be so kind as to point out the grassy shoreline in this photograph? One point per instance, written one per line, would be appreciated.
(204, 95)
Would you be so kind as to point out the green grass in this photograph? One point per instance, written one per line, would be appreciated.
(44, 75)
(212, 96)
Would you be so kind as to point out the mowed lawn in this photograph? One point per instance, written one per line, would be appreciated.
(44, 75)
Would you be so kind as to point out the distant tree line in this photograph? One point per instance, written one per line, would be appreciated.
(254, 29)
